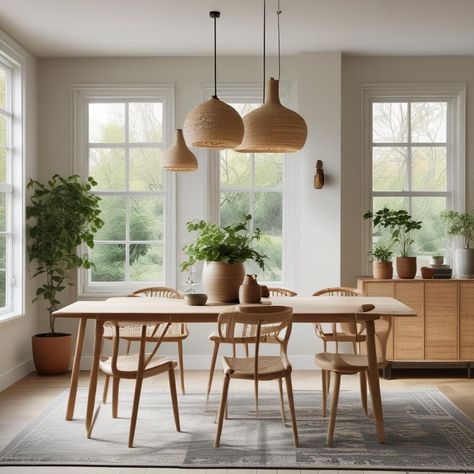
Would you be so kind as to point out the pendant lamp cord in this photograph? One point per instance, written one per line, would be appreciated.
(215, 56)
(264, 25)
(278, 26)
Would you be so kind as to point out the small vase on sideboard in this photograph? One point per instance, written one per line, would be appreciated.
(464, 262)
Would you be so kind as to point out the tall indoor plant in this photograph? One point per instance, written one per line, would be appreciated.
(63, 214)
(400, 225)
(462, 224)
(223, 251)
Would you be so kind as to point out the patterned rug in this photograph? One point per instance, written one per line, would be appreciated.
(423, 431)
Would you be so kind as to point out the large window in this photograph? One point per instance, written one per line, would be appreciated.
(125, 138)
(415, 162)
(253, 184)
(11, 190)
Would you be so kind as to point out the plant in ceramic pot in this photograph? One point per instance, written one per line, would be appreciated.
(400, 225)
(223, 251)
(382, 266)
(461, 224)
(62, 215)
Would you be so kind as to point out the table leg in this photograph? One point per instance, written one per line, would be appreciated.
(99, 329)
(374, 381)
(75, 369)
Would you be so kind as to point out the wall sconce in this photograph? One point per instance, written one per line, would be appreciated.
(319, 175)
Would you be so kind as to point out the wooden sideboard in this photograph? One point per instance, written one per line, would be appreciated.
(443, 332)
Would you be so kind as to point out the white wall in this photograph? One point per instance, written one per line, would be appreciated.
(15, 334)
(315, 85)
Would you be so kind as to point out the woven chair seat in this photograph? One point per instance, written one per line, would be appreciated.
(245, 366)
(338, 362)
(214, 337)
(129, 363)
(132, 333)
(342, 337)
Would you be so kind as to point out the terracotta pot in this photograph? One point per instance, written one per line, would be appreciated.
(406, 267)
(427, 272)
(250, 291)
(382, 270)
(221, 281)
(51, 352)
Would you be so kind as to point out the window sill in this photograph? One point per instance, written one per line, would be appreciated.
(7, 317)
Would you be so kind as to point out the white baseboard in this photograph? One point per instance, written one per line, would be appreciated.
(16, 373)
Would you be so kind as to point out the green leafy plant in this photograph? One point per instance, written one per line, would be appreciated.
(460, 223)
(399, 223)
(232, 243)
(63, 214)
(382, 252)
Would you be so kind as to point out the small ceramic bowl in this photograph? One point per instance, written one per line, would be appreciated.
(195, 299)
(427, 272)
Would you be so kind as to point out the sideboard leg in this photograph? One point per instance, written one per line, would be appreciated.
(387, 371)
(469, 370)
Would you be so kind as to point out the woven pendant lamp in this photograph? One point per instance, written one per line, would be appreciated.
(214, 124)
(179, 157)
(273, 128)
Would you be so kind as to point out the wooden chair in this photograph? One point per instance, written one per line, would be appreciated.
(349, 333)
(341, 364)
(176, 333)
(273, 321)
(214, 337)
(138, 366)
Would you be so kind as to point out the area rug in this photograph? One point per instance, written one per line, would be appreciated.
(423, 431)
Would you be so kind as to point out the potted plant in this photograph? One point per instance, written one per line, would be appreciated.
(62, 215)
(400, 225)
(382, 266)
(462, 224)
(223, 251)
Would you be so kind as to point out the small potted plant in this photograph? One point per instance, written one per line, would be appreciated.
(62, 215)
(223, 251)
(462, 224)
(400, 225)
(382, 266)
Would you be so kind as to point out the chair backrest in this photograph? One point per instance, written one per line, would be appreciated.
(159, 291)
(281, 292)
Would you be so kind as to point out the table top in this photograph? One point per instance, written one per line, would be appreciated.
(305, 309)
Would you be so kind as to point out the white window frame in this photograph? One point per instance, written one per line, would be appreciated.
(15, 186)
(83, 95)
(252, 93)
(452, 93)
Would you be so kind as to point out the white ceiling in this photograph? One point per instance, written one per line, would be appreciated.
(51, 28)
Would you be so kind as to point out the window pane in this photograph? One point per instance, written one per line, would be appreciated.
(4, 140)
(389, 169)
(146, 262)
(3, 289)
(267, 212)
(106, 123)
(272, 247)
(3, 88)
(244, 109)
(268, 170)
(109, 261)
(428, 122)
(431, 239)
(3, 165)
(113, 214)
(233, 207)
(146, 218)
(389, 122)
(235, 169)
(3, 252)
(3, 212)
(429, 169)
(145, 122)
(145, 169)
(107, 167)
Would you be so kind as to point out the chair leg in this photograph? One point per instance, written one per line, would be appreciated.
(291, 403)
(282, 401)
(246, 350)
(136, 403)
(222, 408)
(106, 389)
(115, 396)
(129, 345)
(363, 390)
(328, 381)
(332, 415)
(181, 365)
(255, 386)
(212, 368)
(324, 391)
(234, 351)
(174, 398)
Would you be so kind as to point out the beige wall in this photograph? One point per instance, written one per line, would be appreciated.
(15, 334)
(357, 71)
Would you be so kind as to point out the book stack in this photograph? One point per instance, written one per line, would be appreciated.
(442, 271)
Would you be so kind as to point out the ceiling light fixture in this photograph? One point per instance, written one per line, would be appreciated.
(214, 124)
(273, 128)
(179, 157)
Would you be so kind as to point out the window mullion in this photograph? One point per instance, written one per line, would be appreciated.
(127, 197)
(409, 159)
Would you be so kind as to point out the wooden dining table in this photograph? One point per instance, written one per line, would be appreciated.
(323, 309)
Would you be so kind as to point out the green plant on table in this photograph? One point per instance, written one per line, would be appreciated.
(232, 243)
(400, 225)
(382, 252)
(63, 214)
(460, 224)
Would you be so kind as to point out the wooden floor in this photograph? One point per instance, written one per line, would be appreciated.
(23, 401)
